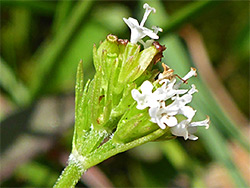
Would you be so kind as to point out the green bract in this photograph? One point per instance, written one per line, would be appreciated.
(120, 67)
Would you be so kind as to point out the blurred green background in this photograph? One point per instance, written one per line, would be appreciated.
(41, 45)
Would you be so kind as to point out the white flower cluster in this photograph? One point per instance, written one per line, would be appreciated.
(138, 31)
(165, 115)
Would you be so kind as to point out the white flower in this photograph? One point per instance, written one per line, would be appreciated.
(144, 99)
(161, 116)
(138, 31)
(186, 128)
(165, 116)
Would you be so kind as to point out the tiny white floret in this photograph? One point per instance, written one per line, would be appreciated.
(138, 31)
(186, 129)
(161, 116)
(143, 98)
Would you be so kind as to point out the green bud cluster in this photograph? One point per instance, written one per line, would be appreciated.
(105, 109)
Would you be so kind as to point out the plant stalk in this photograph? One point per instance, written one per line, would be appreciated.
(70, 176)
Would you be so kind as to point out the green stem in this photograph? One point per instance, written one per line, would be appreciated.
(110, 148)
(70, 176)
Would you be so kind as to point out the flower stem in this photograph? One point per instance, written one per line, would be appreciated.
(70, 176)
(110, 148)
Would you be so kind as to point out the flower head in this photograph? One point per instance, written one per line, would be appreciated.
(138, 31)
(165, 115)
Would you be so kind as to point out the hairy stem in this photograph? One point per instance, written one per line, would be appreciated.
(70, 176)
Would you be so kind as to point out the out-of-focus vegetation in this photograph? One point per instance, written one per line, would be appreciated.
(41, 45)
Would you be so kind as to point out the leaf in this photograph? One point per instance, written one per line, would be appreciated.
(79, 88)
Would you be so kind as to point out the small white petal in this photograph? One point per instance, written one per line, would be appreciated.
(131, 22)
(180, 129)
(146, 87)
(204, 123)
(190, 74)
(136, 94)
(140, 98)
(153, 114)
(188, 112)
(192, 137)
(170, 121)
(150, 33)
(161, 125)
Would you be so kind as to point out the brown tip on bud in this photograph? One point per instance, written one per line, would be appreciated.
(194, 69)
(112, 38)
(159, 47)
(123, 41)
